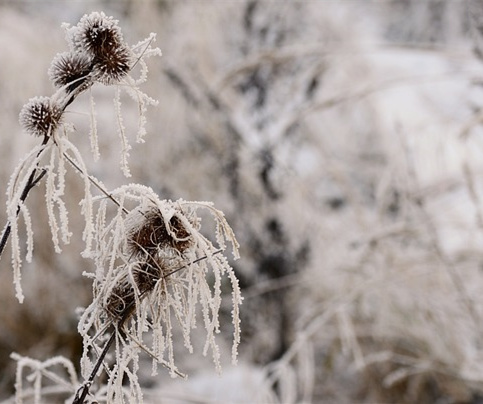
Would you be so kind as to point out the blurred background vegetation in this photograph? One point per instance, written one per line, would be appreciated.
(343, 141)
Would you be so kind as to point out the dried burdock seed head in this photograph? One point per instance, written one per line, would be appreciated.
(111, 67)
(71, 69)
(96, 34)
(40, 116)
(100, 38)
(120, 302)
(147, 274)
(182, 238)
(147, 232)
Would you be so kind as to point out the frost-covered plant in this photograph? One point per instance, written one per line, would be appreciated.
(73, 72)
(153, 266)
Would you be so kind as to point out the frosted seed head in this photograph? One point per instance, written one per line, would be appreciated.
(147, 274)
(71, 70)
(112, 66)
(40, 116)
(96, 34)
(147, 232)
(100, 38)
(119, 302)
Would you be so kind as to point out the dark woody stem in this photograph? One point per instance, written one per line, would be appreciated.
(81, 394)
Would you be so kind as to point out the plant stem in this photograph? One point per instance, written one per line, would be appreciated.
(84, 390)
(94, 182)
(33, 180)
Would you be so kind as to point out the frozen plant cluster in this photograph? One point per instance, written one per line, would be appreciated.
(153, 265)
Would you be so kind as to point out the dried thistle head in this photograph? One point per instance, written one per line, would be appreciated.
(147, 274)
(147, 232)
(140, 278)
(96, 34)
(169, 271)
(100, 38)
(120, 300)
(71, 69)
(112, 66)
(40, 116)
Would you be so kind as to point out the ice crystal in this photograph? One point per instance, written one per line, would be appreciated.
(30, 168)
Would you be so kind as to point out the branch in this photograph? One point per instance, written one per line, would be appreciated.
(33, 180)
(84, 389)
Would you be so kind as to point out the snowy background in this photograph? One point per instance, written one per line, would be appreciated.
(344, 142)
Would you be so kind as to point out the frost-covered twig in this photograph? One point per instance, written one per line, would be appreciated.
(82, 393)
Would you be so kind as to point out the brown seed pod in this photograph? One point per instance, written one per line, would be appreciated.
(183, 239)
(40, 116)
(120, 302)
(147, 233)
(100, 38)
(147, 275)
(110, 67)
(96, 34)
(71, 69)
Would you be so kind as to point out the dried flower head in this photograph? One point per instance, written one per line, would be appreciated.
(147, 232)
(100, 38)
(96, 34)
(133, 283)
(112, 66)
(155, 269)
(40, 116)
(72, 70)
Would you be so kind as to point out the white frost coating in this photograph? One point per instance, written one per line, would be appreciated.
(121, 130)
(50, 200)
(149, 278)
(81, 169)
(35, 373)
(30, 234)
(18, 181)
(93, 129)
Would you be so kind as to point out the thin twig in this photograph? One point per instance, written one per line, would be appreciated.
(84, 390)
(94, 182)
(33, 180)
(191, 263)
